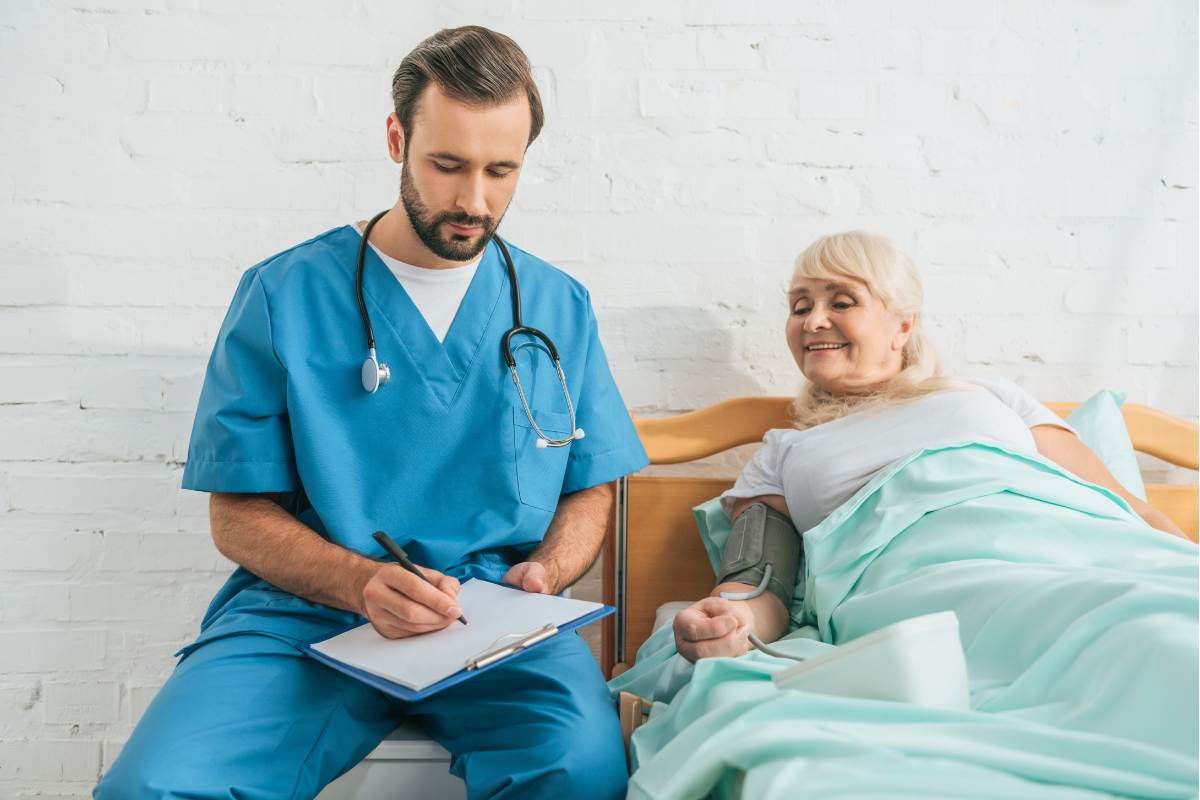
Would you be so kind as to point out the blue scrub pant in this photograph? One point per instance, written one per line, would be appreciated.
(249, 717)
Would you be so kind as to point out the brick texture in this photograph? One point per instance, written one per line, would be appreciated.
(1039, 160)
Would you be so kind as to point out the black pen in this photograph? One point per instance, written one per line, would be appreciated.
(402, 559)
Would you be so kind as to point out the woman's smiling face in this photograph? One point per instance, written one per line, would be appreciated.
(844, 339)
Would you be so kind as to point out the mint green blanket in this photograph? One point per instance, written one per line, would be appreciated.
(1079, 624)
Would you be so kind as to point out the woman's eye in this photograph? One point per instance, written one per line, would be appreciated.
(842, 305)
(801, 310)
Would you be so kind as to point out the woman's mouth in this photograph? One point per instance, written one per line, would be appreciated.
(825, 346)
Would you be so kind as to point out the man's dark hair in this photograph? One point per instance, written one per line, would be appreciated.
(471, 64)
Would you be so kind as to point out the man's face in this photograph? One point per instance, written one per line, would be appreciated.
(460, 169)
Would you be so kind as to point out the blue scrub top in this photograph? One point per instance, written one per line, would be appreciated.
(442, 458)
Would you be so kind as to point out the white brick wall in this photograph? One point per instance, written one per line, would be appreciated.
(1039, 159)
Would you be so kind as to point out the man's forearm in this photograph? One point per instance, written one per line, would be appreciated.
(575, 535)
(253, 531)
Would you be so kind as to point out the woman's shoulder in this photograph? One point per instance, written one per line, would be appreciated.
(995, 385)
(776, 437)
(1006, 391)
(777, 442)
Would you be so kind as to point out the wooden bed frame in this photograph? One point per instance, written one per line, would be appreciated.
(653, 553)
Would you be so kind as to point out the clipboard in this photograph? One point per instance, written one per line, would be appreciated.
(500, 652)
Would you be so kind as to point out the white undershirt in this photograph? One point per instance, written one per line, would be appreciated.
(818, 469)
(437, 293)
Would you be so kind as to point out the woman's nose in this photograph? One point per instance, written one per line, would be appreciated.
(815, 321)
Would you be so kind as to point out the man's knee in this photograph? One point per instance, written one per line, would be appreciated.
(133, 778)
(585, 767)
(212, 727)
(548, 761)
(597, 769)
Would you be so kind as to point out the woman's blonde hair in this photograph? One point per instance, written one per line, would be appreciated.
(892, 278)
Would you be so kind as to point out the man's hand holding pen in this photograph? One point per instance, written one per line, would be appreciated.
(399, 604)
(402, 599)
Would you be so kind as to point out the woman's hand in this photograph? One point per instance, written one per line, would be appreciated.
(1068, 451)
(713, 627)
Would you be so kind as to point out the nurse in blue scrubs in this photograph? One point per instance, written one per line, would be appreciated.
(304, 465)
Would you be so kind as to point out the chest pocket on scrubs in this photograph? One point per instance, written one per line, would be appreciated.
(540, 470)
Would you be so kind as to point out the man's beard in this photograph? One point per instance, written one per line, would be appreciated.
(427, 225)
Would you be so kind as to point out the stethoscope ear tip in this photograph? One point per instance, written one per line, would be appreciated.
(543, 443)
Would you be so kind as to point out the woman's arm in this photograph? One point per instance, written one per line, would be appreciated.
(1067, 450)
(718, 627)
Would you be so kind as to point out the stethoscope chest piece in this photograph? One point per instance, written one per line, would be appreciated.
(374, 374)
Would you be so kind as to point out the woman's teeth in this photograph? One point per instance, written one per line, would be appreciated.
(825, 347)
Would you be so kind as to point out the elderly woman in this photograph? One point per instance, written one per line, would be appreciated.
(917, 494)
(874, 394)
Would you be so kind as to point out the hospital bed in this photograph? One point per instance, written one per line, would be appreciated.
(653, 556)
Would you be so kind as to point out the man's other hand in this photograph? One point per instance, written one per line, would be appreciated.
(530, 576)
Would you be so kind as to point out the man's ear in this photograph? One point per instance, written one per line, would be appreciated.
(395, 138)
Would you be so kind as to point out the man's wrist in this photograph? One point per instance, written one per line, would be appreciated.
(553, 576)
(361, 570)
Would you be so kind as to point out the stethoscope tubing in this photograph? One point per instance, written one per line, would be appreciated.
(375, 374)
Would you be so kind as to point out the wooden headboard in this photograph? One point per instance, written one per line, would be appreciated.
(654, 555)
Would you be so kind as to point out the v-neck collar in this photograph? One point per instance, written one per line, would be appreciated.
(442, 365)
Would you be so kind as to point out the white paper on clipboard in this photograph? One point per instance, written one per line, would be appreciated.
(492, 611)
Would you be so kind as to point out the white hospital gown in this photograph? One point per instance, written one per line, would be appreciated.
(819, 468)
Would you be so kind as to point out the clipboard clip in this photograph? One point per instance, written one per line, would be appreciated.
(495, 653)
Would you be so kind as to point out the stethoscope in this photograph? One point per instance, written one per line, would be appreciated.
(375, 373)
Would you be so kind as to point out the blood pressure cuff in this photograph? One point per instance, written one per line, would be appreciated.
(762, 536)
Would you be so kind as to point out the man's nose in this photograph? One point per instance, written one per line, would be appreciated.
(471, 197)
